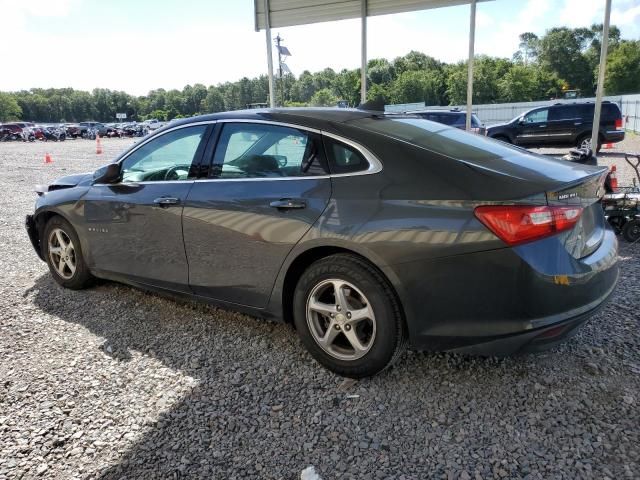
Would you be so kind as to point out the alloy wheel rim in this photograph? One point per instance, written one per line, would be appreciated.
(62, 253)
(341, 319)
(586, 143)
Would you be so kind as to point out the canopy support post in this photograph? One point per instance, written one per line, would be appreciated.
(363, 54)
(472, 41)
(267, 29)
(595, 131)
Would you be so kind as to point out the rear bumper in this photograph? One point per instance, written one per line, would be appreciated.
(536, 340)
(613, 136)
(500, 302)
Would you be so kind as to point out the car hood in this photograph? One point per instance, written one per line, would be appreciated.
(68, 181)
(498, 125)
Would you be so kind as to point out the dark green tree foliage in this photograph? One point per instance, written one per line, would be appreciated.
(563, 58)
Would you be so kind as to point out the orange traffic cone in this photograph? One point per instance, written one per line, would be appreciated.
(613, 177)
(47, 158)
(98, 145)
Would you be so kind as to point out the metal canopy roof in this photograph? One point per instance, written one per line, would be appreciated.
(286, 13)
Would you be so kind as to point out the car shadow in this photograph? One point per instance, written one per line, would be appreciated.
(261, 407)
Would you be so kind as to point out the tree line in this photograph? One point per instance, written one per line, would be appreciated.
(542, 68)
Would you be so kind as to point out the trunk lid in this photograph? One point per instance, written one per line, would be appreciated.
(585, 192)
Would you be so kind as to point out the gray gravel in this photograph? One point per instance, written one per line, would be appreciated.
(114, 383)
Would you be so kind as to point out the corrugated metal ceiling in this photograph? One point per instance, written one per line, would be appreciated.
(285, 13)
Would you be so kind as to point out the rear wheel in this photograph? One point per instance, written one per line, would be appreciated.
(348, 317)
(63, 254)
(585, 142)
(631, 231)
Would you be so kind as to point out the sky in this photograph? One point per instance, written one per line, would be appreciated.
(136, 46)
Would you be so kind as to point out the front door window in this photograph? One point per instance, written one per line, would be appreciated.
(166, 157)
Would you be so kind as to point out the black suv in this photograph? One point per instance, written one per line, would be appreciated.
(561, 125)
(453, 118)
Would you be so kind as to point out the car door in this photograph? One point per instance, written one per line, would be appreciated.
(532, 129)
(268, 185)
(134, 227)
(563, 121)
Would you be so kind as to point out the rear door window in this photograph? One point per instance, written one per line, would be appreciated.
(248, 150)
(565, 112)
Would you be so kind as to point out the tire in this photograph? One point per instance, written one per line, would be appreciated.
(631, 231)
(586, 140)
(73, 273)
(381, 332)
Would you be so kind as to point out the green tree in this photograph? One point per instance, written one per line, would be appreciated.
(623, 69)
(561, 52)
(380, 71)
(418, 86)
(528, 48)
(9, 108)
(324, 98)
(213, 102)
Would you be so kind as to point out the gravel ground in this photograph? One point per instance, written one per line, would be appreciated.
(114, 383)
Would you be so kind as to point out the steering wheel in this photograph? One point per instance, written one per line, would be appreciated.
(282, 161)
(172, 173)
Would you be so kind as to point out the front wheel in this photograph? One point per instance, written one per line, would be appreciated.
(62, 251)
(348, 317)
(631, 231)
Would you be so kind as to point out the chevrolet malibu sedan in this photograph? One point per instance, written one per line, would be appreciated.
(368, 232)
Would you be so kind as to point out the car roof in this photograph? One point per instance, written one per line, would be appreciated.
(319, 118)
(446, 112)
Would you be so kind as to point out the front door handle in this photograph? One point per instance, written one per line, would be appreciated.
(288, 204)
(166, 201)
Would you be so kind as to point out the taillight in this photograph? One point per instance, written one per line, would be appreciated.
(515, 224)
(618, 123)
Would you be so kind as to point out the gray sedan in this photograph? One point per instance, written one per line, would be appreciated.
(366, 231)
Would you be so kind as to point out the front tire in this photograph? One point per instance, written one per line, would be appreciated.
(348, 317)
(61, 249)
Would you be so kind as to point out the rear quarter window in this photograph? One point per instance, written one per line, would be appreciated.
(344, 158)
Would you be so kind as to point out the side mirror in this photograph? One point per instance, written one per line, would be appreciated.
(107, 174)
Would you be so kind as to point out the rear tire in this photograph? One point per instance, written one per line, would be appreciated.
(62, 251)
(348, 317)
(585, 142)
(631, 231)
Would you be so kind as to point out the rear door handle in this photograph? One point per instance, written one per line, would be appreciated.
(166, 201)
(288, 204)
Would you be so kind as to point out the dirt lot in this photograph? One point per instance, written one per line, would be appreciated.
(113, 383)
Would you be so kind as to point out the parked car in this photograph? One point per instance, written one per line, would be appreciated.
(454, 118)
(561, 125)
(10, 131)
(90, 129)
(365, 230)
(72, 130)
